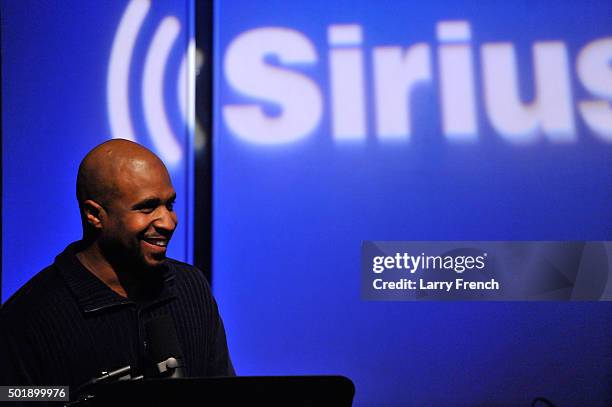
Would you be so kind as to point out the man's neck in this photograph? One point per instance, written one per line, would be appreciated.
(93, 260)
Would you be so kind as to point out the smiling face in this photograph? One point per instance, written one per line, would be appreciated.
(140, 217)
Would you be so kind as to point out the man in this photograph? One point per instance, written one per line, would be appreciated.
(91, 311)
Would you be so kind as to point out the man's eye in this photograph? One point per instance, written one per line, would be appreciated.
(170, 206)
(146, 210)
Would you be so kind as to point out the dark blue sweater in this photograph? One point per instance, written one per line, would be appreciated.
(65, 326)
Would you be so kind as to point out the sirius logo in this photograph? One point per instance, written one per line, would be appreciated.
(156, 119)
(263, 65)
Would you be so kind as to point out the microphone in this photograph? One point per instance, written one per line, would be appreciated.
(163, 347)
(123, 373)
(85, 391)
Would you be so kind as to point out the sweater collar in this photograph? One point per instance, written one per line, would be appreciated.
(91, 293)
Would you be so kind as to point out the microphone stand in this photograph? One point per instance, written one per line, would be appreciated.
(85, 396)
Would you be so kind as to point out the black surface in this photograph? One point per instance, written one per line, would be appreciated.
(298, 391)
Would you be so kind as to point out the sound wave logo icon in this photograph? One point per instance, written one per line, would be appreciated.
(158, 125)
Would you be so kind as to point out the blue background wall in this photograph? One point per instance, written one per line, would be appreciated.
(55, 61)
(289, 218)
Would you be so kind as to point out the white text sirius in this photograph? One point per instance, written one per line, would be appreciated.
(397, 70)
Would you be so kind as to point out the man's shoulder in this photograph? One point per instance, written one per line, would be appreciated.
(34, 296)
(180, 266)
(187, 274)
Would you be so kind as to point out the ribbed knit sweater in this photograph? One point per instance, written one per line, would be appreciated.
(65, 326)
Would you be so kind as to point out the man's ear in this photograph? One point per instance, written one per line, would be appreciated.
(95, 214)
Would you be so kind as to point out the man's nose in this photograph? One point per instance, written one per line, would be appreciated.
(166, 220)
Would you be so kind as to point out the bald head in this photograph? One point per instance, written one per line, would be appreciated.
(126, 200)
(107, 164)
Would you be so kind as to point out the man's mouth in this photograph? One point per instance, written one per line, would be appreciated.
(156, 241)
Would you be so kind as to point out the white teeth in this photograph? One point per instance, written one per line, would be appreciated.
(160, 243)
